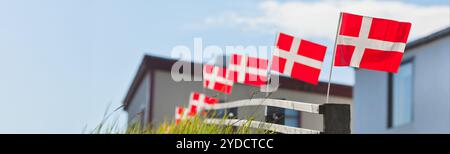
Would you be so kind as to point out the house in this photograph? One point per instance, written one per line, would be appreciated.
(415, 100)
(153, 96)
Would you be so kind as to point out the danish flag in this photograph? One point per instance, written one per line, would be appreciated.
(298, 58)
(371, 43)
(179, 114)
(198, 103)
(192, 110)
(215, 78)
(248, 70)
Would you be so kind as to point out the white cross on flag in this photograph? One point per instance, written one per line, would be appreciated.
(199, 102)
(248, 70)
(298, 58)
(371, 43)
(215, 78)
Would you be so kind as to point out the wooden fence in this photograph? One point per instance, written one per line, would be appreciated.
(336, 117)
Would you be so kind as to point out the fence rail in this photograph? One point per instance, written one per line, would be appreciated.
(298, 106)
(336, 117)
(263, 125)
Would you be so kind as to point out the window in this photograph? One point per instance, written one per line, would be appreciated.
(275, 115)
(291, 118)
(401, 96)
(230, 113)
(282, 116)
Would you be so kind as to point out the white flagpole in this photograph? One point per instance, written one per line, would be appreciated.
(332, 59)
(203, 78)
(227, 71)
(269, 64)
(267, 83)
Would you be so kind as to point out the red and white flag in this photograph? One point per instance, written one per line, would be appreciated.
(248, 70)
(371, 43)
(179, 114)
(192, 110)
(215, 78)
(298, 58)
(200, 102)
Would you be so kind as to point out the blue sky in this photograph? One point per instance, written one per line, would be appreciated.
(63, 61)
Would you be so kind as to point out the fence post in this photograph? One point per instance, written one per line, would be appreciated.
(336, 118)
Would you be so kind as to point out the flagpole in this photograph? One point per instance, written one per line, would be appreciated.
(268, 75)
(267, 84)
(333, 58)
(225, 67)
(203, 78)
(269, 65)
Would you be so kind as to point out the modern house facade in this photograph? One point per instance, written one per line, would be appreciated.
(415, 100)
(153, 96)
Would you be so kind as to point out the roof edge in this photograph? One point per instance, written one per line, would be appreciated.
(429, 38)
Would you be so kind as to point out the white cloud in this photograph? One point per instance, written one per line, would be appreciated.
(319, 19)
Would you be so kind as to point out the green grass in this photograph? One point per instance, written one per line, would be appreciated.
(194, 125)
